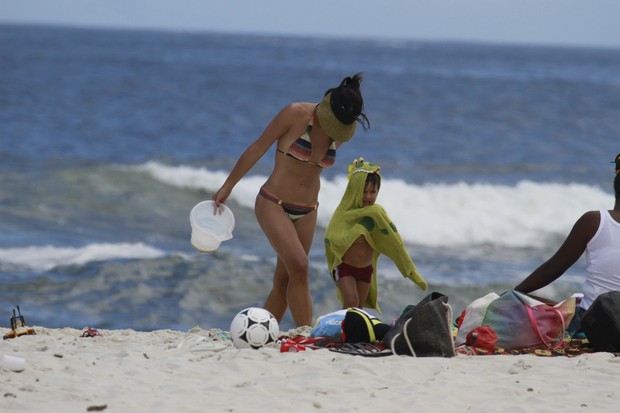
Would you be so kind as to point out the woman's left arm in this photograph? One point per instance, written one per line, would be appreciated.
(569, 252)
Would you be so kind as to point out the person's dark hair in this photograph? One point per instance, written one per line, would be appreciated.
(617, 178)
(374, 180)
(351, 99)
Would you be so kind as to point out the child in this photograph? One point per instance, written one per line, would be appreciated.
(358, 232)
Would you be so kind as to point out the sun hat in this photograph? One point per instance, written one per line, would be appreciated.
(333, 117)
(209, 229)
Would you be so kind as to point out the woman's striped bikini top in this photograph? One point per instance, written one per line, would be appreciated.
(301, 150)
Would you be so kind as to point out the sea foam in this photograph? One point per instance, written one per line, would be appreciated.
(525, 215)
(44, 258)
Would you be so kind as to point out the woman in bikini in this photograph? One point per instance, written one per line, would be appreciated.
(306, 136)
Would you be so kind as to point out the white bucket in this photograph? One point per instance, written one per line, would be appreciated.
(13, 363)
(209, 229)
(204, 242)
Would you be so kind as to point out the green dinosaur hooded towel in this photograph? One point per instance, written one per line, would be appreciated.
(351, 219)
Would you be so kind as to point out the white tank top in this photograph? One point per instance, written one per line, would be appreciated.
(603, 260)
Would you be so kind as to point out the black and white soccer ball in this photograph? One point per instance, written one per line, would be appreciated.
(254, 328)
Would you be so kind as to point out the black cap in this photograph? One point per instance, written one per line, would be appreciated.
(617, 160)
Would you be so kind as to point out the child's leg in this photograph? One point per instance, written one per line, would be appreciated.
(348, 289)
(362, 292)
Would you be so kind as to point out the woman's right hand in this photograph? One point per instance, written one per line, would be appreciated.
(220, 197)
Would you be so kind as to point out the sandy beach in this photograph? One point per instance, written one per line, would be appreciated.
(111, 137)
(176, 371)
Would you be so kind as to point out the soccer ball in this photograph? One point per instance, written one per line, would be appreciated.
(254, 328)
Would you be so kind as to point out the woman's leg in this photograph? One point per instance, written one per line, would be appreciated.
(292, 243)
(276, 302)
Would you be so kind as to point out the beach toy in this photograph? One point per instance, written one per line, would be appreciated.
(91, 332)
(13, 363)
(18, 326)
(254, 327)
(209, 229)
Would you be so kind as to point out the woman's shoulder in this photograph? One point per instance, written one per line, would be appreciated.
(588, 223)
(292, 114)
(591, 216)
(298, 109)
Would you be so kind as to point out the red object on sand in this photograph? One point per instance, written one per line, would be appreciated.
(483, 337)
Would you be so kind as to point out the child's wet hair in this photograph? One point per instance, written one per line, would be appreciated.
(374, 180)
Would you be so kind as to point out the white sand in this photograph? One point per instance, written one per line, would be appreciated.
(129, 371)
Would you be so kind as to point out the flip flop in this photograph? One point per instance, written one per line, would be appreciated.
(363, 349)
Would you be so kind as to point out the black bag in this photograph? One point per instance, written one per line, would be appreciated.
(360, 327)
(601, 322)
(423, 330)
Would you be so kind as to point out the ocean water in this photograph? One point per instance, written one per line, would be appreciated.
(108, 138)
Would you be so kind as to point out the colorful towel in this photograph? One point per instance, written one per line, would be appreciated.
(570, 347)
(351, 219)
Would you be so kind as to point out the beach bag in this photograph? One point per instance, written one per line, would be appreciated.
(360, 327)
(521, 321)
(424, 329)
(601, 322)
(329, 326)
(473, 316)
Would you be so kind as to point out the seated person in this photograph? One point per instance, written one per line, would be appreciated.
(598, 234)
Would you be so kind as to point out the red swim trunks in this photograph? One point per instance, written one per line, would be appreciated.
(360, 274)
